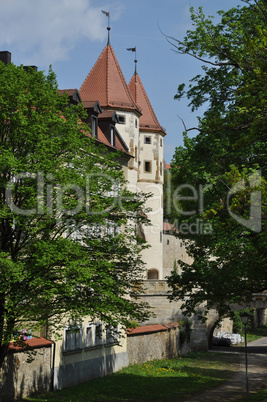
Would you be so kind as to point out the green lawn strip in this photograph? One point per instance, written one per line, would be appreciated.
(259, 396)
(256, 333)
(159, 380)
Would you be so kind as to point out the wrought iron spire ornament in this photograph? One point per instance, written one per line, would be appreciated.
(107, 14)
(133, 49)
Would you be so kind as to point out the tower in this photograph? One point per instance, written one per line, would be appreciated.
(139, 128)
(150, 175)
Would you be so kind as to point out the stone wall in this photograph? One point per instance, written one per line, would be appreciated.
(153, 342)
(173, 250)
(155, 293)
(18, 378)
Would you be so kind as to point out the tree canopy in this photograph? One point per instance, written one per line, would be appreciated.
(68, 244)
(218, 177)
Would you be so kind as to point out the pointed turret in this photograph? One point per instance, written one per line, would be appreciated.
(105, 83)
(148, 121)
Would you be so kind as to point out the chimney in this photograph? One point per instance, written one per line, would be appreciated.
(5, 57)
(29, 68)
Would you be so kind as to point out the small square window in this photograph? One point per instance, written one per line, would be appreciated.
(148, 166)
(122, 119)
(147, 140)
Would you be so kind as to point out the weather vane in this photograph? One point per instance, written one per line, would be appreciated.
(133, 49)
(107, 13)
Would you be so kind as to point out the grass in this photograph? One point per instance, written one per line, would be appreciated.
(158, 380)
(259, 396)
(256, 333)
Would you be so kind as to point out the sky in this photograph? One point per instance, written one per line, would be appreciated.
(71, 34)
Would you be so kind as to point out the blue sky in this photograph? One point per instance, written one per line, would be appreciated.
(70, 35)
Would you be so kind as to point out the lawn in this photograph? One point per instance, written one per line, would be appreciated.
(256, 333)
(158, 380)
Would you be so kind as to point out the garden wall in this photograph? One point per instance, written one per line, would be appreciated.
(18, 378)
(153, 342)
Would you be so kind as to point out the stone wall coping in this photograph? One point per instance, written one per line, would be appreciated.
(33, 343)
(150, 329)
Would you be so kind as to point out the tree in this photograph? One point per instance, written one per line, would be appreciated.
(68, 245)
(220, 189)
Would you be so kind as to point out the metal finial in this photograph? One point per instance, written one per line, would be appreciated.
(107, 13)
(133, 49)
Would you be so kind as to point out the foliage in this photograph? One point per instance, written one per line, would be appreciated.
(238, 326)
(185, 331)
(173, 379)
(219, 175)
(68, 245)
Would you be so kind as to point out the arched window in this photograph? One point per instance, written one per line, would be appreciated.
(152, 274)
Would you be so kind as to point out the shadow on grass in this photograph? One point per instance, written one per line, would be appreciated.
(132, 387)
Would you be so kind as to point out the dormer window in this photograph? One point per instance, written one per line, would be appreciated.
(122, 119)
(94, 126)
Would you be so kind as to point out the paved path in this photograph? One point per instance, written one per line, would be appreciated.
(235, 388)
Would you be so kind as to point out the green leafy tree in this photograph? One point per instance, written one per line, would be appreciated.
(220, 196)
(68, 245)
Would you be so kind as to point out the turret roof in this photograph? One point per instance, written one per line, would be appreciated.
(105, 83)
(148, 121)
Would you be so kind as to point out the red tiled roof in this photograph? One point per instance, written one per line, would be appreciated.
(148, 120)
(168, 227)
(89, 104)
(106, 114)
(32, 343)
(150, 329)
(106, 83)
(69, 91)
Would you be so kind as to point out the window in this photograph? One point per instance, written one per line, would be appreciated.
(122, 119)
(152, 274)
(168, 242)
(148, 166)
(160, 168)
(94, 231)
(135, 123)
(181, 244)
(89, 340)
(160, 237)
(112, 334)
(94, 126)
(112, 136)
(72, 338)
(160, 142)
(147, 140)
(98, 334)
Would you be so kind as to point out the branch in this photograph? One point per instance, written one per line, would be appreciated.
(188, 129)
(262, 11)
(193, 54)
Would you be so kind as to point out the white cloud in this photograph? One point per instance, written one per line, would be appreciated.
(46, 30)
